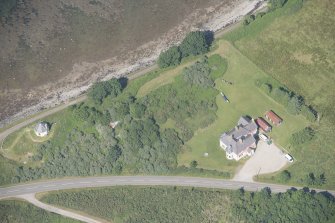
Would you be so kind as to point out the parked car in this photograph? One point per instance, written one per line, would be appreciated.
(289, 158)
(263, 137)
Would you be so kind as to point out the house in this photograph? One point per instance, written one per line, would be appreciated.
(273, 117)
(41, 129)
(240, 141)
(264, 125)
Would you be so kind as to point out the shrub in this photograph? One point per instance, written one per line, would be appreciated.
(309, 113)
(267, 88)
(193, 164)
(294, 105)
(311, 179)
(249, 19)
(137, 110)
(285, 176)
(281, 95)
(275, 4)
(198, 74)
(170, 57)
(302, 136)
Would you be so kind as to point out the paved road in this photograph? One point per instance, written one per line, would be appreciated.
(28, 191)
(87, 182)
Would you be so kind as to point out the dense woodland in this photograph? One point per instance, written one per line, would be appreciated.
(178, 204)
(14, 211)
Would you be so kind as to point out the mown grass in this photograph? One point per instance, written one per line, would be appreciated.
(245, 99)
(295, 46)
(166, 76)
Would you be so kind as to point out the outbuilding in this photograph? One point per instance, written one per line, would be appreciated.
(273, 117)
(264, 125)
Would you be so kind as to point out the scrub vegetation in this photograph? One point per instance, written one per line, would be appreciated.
(180, 204)
(15, 211)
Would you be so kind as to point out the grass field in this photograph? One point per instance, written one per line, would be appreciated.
(245, 99)
(295, 46)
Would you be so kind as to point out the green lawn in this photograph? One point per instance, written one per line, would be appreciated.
(245, 99)
(296, 47)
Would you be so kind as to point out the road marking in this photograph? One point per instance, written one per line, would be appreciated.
(67, 184)
(10, 191)
(103, 181)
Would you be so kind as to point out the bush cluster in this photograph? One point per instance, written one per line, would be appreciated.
(293, 103)
(302, 136)
(194, 43)
(176, 204)
(101, 90)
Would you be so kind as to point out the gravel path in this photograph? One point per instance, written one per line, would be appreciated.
(267, 159)
(32, 199)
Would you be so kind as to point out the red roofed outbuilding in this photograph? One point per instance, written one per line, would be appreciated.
(273, 118)
(264, 125)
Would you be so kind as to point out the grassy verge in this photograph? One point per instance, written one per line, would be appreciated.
(20, 211)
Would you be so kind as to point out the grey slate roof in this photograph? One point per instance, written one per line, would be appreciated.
(41, 127)
(241, 137)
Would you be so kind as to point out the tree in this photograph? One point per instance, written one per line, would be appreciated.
(302, 136)
(294, 105)
(114, 87)
(193, 164)
(101, 90)
(170, 57)
(309, 113)
(195, 43)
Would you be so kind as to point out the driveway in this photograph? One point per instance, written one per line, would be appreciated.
(267, 159)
